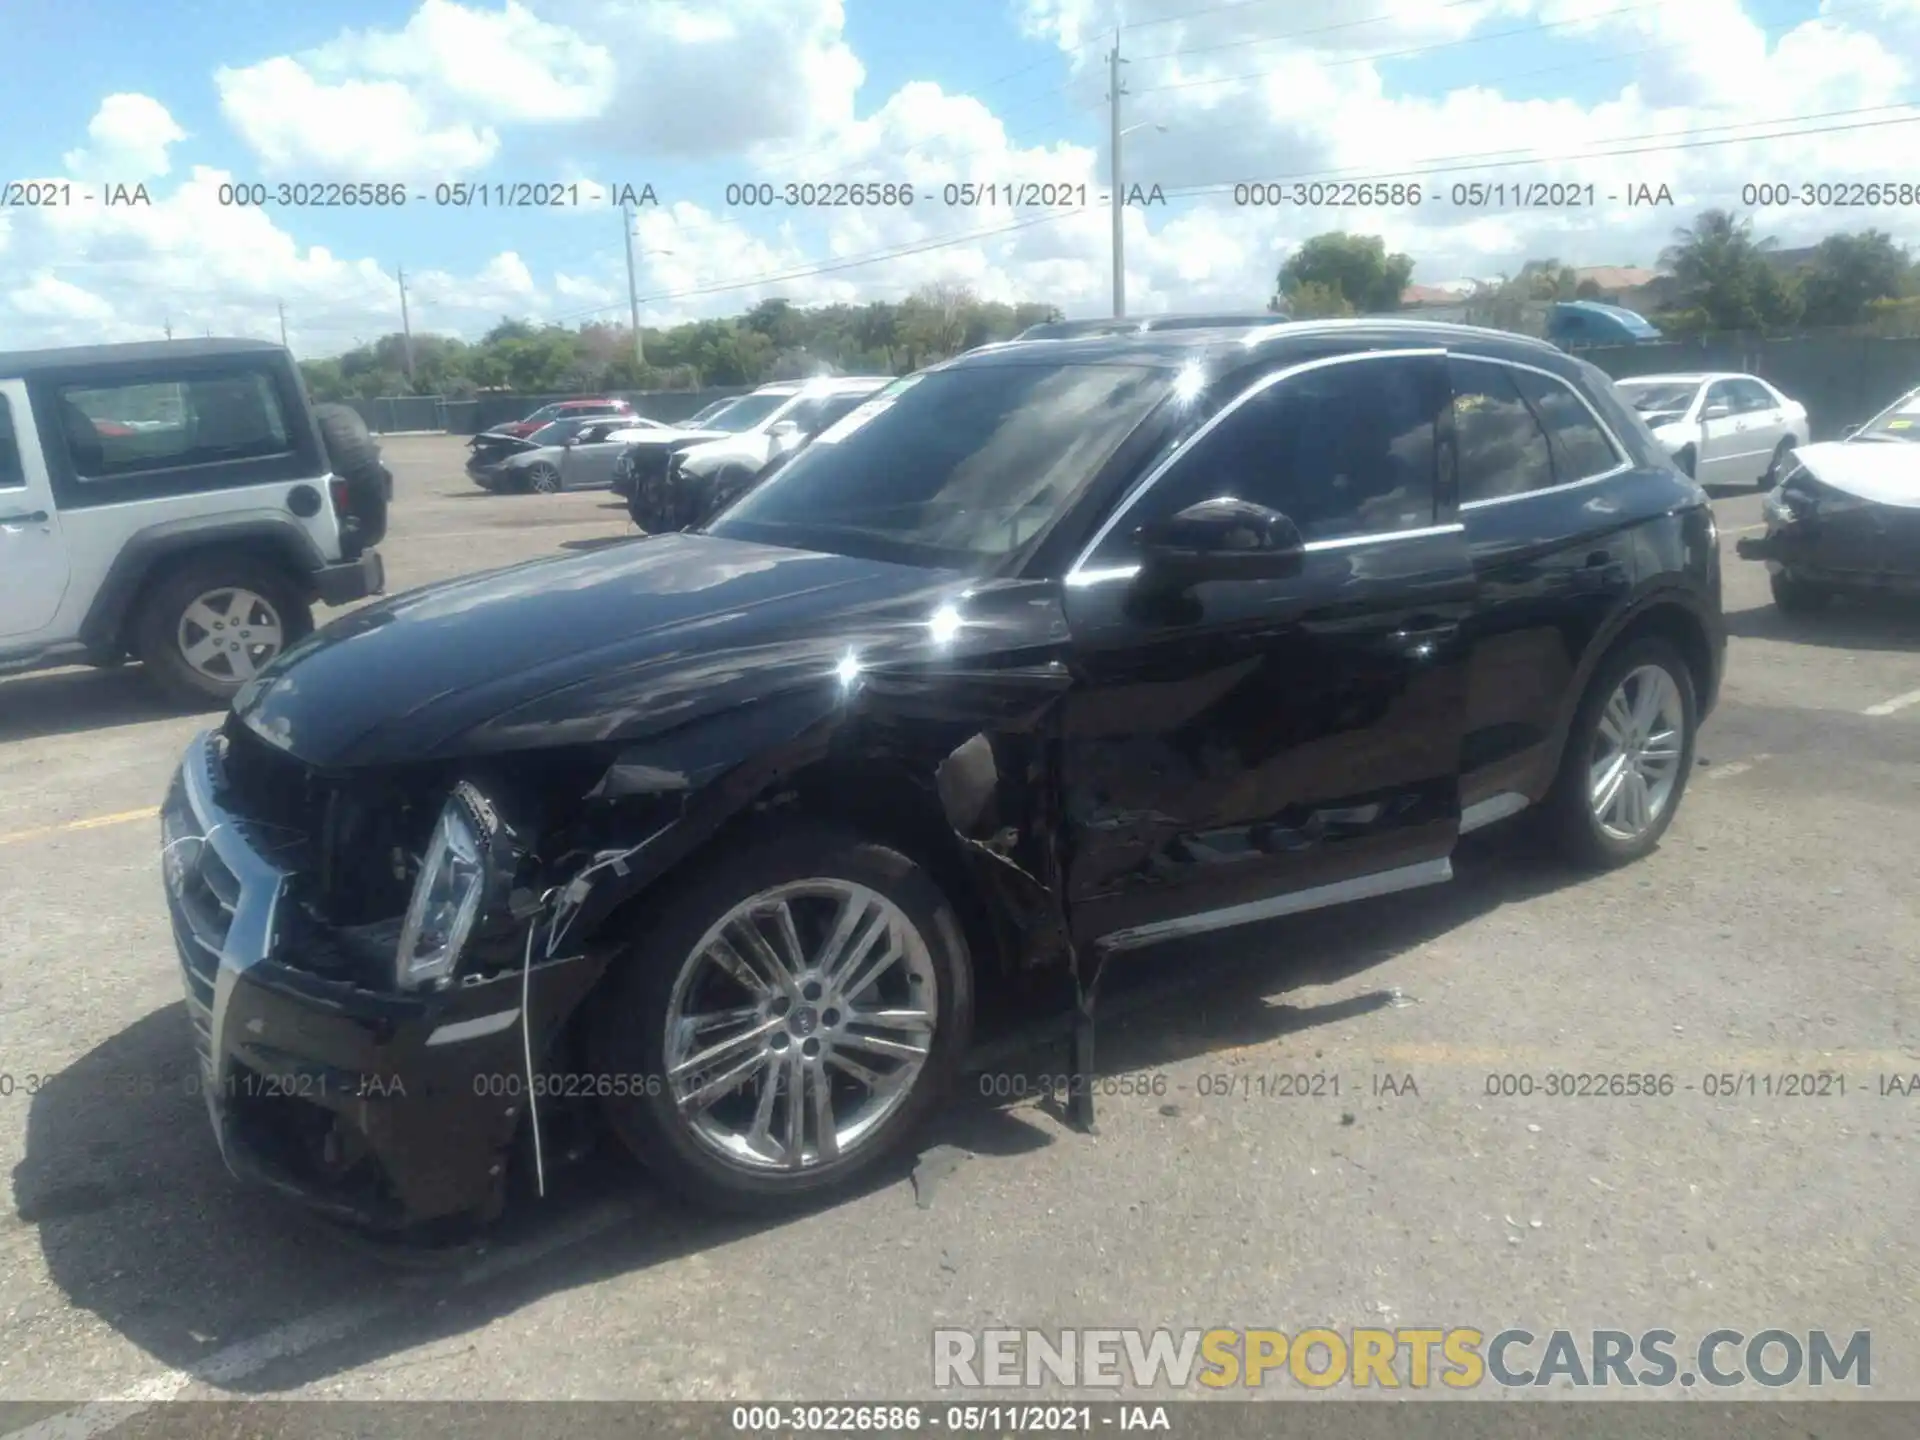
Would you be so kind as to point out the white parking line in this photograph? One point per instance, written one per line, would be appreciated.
(247, 1357)
(1899, 702)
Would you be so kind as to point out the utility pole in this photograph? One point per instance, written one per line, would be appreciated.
(633, 293)
(406, 325)
(283, 322)
(1114, 92)
(169, 324)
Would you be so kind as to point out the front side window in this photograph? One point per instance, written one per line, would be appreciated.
(1581, 448)
(13, 475)
(957, 468)
(1343, 450)
(120, 430)
(1718, 393)
(1501, 447)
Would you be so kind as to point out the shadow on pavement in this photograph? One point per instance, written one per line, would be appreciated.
(71, 702)
(140, 1224)
(1889, 624)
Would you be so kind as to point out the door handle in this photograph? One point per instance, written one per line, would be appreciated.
(37, 517)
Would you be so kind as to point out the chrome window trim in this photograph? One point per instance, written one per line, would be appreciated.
(1079, 579)
(1624, 460)
(1077, 576)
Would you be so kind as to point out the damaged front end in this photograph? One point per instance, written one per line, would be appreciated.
(387, 960)
(1819, 534)
(356, 972)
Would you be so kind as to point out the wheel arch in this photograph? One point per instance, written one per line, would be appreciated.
(1671, 615)
(150, 555)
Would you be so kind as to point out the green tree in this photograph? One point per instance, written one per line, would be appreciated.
(1848, 273)
(1358, 267)
(1317, 300)
(1722, 270)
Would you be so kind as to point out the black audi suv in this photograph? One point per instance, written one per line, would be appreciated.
(711, 839)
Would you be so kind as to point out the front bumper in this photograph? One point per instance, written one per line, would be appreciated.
(351, 580)
(381, 1109)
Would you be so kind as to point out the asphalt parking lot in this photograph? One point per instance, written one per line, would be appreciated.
(1775, 933)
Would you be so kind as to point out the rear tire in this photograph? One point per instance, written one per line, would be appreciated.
(1657, 756)
(733, 1152)
(187, 615)
(1796, 597)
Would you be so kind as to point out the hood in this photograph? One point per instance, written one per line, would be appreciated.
(528, 453)
(753, 450)
(615, 645)
(676, 439)
(1886, 472)
(1661, 419)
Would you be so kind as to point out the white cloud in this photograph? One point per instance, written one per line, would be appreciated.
(131, 135)
(352, 129)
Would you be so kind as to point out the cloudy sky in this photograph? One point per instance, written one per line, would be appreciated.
(1700, 96)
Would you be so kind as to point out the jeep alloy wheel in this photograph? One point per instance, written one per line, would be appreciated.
(229, 635)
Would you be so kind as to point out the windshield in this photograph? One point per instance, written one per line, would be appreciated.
(700, 417)
(952, 468)
(1649, 396)
(746, 412)
(1899, 421)
(545, 412)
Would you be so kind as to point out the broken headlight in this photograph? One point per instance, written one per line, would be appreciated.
(449, 892)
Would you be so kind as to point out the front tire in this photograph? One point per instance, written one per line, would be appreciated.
(788, 1017)
(543, 479)
(1627, 758)
(208, 627)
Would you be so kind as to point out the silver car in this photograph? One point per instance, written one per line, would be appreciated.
(566, 455)
(1721, 429)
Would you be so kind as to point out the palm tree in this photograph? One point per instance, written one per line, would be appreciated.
(1721, 269)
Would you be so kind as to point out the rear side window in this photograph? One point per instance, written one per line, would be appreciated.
(13, 475)
(1752, 397)
(1581, 448)
(127, 430)
(1502, 449)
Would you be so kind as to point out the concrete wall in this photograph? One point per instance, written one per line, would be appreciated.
(1842, 380)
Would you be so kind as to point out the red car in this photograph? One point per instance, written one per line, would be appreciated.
(562, 410)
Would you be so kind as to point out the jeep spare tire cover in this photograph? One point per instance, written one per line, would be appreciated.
(354, 455)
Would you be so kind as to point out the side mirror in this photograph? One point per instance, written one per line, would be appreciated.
(784, 429)
(1716, 412)
(1847, 432)
(1220, 539)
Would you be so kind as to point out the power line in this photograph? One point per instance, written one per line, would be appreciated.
(1436, 165)
(1477, 163)
(1246, 40)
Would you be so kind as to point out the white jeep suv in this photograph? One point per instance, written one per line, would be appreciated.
(180, 503)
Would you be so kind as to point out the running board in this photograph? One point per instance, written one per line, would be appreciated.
(1365, 887)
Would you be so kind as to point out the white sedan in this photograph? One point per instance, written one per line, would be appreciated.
(1720, 429)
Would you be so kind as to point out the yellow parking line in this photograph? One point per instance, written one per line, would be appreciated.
(97, 822)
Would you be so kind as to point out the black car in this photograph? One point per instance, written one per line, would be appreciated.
(713, 838)
(1845, 517)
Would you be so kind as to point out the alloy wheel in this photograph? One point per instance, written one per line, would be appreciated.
(544, 479)
(800, 1022)
(230, 634)
(1637, 746)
